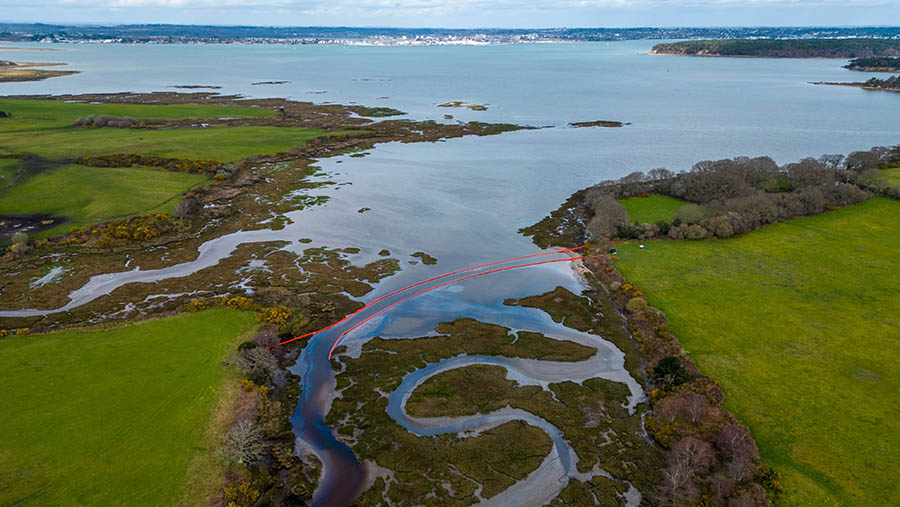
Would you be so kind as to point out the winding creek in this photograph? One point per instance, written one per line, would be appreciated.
(463, 200)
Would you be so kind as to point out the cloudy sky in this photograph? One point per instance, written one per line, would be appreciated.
(460, 13)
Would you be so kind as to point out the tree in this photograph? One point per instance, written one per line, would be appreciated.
(258, 364)
(735, 442)
(244, 443)
(695, 454)
(608, 215)
(859, 161)
(678, 487)
(660, 173)
(635, 177)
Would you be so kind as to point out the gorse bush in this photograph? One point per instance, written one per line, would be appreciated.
(280, 315)
(170, 164)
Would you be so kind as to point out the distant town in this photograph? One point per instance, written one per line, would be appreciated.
(184, 34)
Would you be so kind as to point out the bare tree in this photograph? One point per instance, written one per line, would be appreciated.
(678, 486)
(258, 363)
(635, 177)
(736, 444)
(244, 443)
(722, 487)
(695, 454)
(187, 206)
(660, 173)
(685, 405)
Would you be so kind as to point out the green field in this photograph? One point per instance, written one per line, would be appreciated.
(223, 144)
(891, 176)
(8, 168)
(111, 416)
(64, 113)
(651, 209)
(44, 128)
(799, 323)
(89, 195)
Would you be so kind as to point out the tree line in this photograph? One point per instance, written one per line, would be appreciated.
(784, 48)
(734, 196)
(870, 63)
(891, 83)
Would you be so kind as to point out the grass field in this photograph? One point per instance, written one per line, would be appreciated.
(112, 416)
(93, 194)
(64, 113)
(8, 167)
(223, 144)
(651, 209)
(891, 176)
(88, 195)
(799, 323)
(44, 128)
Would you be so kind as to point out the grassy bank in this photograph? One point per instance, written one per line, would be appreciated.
(111, 416)
(798, 323)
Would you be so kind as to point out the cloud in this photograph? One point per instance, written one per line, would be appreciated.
(459, 13)
(448, 5)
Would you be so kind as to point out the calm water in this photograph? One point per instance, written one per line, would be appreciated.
(463, 200)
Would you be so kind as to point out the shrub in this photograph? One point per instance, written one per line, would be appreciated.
(719, 226)
(23, 331)
(770, 479)
(844, 194)
(4, 333)
(663, 227)
(187, 206)
(195, 305)
(246, 346)
(636, 304)
(242, 495)
(669, 372)
(696, 232)
(280, 315)
(678, 231)
(239, 303)
(690, 214)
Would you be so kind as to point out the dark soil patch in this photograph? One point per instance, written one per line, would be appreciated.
(11, 224)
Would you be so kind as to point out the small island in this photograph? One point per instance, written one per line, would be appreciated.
(782, 48)
(875, 64)
(598, 123)
(22, 71)
(459, 103)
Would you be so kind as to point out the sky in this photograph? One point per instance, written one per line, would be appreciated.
(460, 13)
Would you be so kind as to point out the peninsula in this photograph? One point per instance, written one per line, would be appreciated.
(782, 48)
